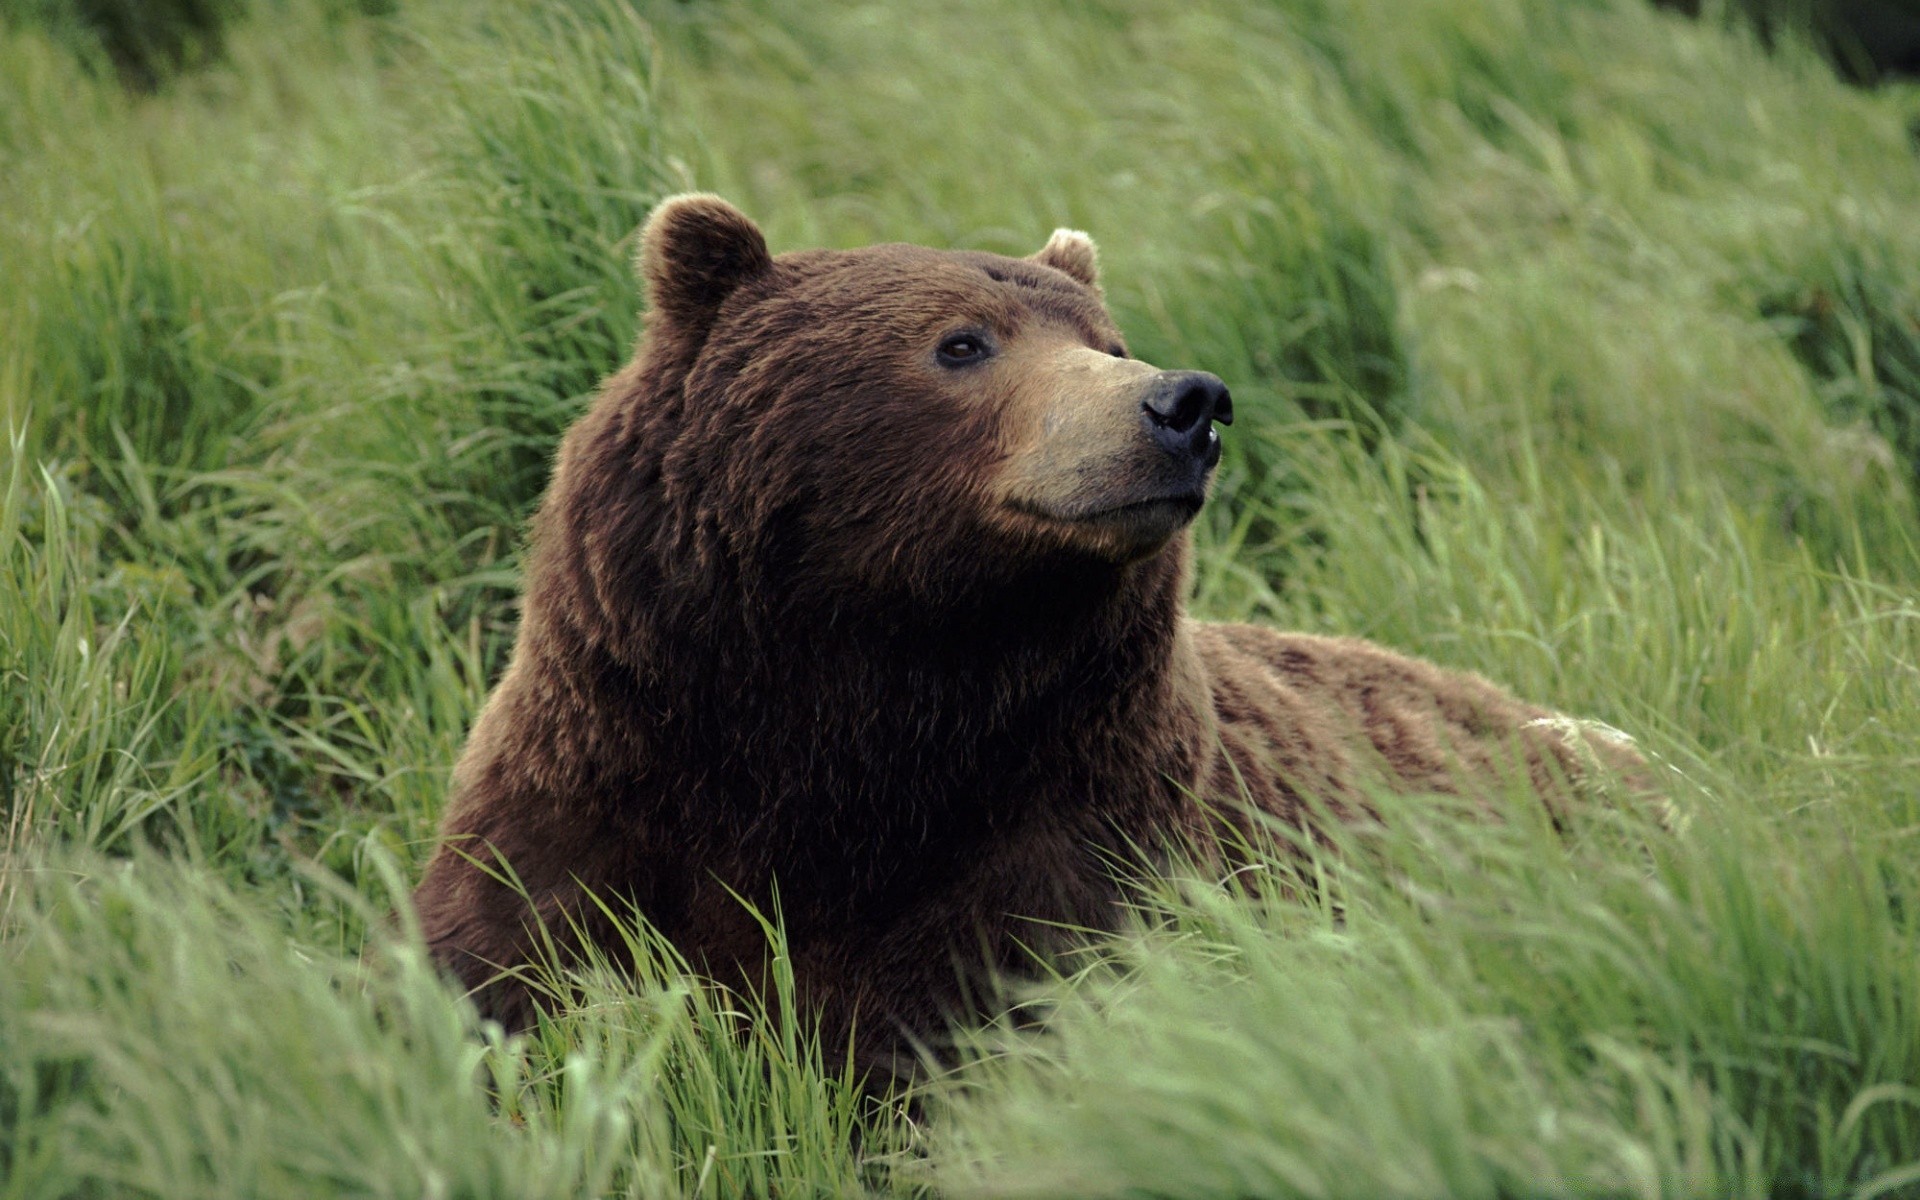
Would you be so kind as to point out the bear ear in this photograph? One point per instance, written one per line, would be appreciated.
(1073, 253)
(694, 251)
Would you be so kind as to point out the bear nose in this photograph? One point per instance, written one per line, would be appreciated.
(1180, 408)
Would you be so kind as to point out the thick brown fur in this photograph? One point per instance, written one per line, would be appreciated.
(815, 613)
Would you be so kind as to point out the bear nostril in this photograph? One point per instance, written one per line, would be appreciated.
(1181, 407)
(1179, 400)
(1181, 411)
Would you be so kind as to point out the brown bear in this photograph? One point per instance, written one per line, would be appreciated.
(859, 592)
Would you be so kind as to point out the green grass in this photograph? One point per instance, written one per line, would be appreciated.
(1577, 344)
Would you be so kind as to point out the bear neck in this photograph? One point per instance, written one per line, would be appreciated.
(886, 706)
(774, 736)
(886, 712)
(849, 764)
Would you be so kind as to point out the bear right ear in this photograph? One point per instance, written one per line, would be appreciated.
(1073, 253)
(694, 251)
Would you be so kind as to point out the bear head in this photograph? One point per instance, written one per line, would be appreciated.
(903, 423)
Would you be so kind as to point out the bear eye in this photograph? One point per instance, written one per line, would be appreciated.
(963, 348)
(1117, 350)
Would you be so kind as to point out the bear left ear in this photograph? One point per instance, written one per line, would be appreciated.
(694, 251)
(1073, 253)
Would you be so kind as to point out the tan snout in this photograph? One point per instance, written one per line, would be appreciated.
(1110, 454)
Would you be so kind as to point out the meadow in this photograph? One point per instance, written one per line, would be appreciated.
(1574, 342)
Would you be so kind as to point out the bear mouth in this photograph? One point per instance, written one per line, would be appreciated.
(1181, 508)
(1186, 504)
(1140, 522)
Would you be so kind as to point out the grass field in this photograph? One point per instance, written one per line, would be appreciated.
(1575, 343)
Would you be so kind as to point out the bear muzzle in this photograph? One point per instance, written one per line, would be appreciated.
(1152, 482)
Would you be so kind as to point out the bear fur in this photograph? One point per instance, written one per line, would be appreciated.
(858, 594)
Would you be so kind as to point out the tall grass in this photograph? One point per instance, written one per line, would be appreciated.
(1578, 344)
(1725, 1011)
(166, 1037)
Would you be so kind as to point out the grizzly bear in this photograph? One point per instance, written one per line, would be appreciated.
(858, 594)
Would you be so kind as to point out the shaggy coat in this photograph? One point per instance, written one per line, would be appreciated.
(831, 607)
